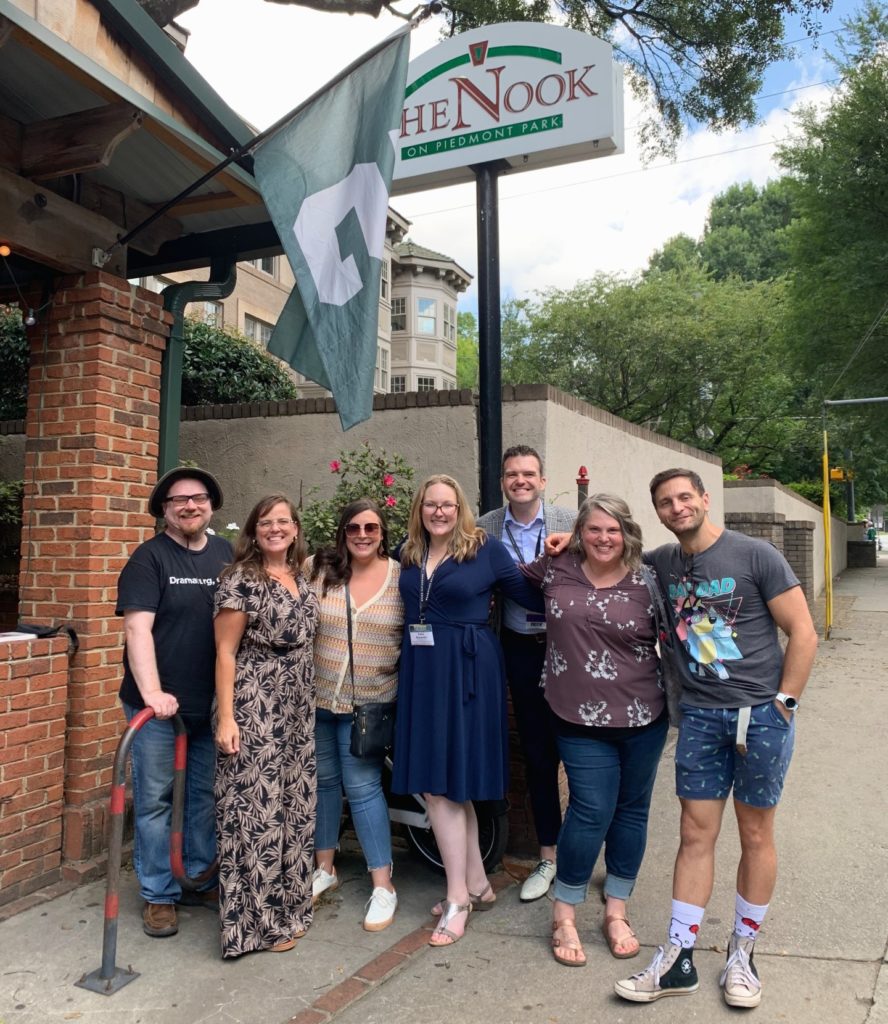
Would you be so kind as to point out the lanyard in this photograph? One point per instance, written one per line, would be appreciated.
(425, 584)
(520, 554)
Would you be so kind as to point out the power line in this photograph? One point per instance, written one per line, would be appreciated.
(866, 337)
(639, 170)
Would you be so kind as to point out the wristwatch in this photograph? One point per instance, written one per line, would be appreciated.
(790, 703)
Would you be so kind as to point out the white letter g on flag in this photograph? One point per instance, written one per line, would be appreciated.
(338, 280)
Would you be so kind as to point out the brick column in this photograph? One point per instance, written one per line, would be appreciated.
(798, 547)
(90, 461)
(765, 525)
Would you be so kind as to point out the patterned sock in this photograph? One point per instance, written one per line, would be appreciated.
(748, 918)
(685, 923)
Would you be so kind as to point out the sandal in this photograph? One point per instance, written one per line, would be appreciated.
(287, 944)
(475, 898)
(573, 944)
(451, 910)
(612, 943)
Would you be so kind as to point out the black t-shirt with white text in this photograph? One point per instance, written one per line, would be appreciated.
(178, 585)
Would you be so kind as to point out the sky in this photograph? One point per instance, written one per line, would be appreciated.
(557, 225)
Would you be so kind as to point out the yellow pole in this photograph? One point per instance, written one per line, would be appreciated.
(827, 540)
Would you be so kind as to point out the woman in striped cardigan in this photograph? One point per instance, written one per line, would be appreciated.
(357, 569)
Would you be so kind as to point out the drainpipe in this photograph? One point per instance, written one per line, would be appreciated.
(223, 277)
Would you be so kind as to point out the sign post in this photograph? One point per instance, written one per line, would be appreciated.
(500, 99)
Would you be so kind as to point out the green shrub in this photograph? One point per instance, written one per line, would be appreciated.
(362, 473)
(14, 359)
(222, 367)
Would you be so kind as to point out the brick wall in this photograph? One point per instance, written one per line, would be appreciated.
(33, 694)
(798, 548)
(90, 461)
(766, 525)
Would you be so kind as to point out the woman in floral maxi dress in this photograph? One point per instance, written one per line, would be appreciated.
(266, 618)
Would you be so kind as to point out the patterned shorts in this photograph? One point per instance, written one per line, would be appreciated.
(708, 766)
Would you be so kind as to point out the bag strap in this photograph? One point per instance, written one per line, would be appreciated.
(351, 657)
(661, 617)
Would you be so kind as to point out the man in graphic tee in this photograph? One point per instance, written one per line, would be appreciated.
(728, 594)
(165, 594)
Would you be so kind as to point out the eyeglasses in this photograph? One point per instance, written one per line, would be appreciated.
(353, 529)
(181, 500)
(447, 507)
(267, 524)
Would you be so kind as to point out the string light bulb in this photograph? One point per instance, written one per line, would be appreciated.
(5, 250)
(30, 319)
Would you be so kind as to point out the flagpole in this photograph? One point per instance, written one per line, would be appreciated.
(242, 151)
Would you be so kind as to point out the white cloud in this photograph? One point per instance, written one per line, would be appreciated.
(557, 225)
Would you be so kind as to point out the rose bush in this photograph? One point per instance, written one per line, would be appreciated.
(362, 473)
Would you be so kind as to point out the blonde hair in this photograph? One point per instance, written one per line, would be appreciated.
(465, 539)
(617, 509)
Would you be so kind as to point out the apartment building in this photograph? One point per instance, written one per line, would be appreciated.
(418, 296)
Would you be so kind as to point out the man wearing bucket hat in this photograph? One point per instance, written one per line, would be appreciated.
(165, 595)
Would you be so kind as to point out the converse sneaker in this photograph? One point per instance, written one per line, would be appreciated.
(670, 973)
(323, 881)
(538, 881)
(740, 979)
(381, 909)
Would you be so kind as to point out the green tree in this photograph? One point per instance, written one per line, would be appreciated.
(695, 60)
(466, 351)
(671, 351)
(838, 314)
(222, 367)
(747, 232)
(746, 235)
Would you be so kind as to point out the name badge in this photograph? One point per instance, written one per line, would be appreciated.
(535, 622)
(421, 635)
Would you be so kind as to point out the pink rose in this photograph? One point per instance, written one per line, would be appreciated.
(391, 501)
(335, 466)
(388, 480)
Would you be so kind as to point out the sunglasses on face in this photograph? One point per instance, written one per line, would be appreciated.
(354, 529)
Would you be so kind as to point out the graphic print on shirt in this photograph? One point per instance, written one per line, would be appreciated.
(705, 614)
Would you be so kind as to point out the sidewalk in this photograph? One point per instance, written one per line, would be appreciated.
(821, 954)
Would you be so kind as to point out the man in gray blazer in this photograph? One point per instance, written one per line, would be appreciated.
(522, 526)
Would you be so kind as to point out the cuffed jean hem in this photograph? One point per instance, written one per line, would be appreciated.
(567, 893)
(618, 888)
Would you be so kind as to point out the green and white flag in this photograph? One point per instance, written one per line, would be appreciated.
(325, 178)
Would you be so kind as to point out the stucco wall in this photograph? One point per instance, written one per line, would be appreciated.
(620, 457)
(769, 496)
(258, 454)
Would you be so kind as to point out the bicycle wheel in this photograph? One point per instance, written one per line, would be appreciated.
(493, 834)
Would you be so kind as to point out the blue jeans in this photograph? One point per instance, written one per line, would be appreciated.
(152, 774)
(362, 780)
(610, 783)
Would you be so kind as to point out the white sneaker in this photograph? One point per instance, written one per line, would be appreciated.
(322, 881)
(381, 909)
(740, 979)
(537, 883)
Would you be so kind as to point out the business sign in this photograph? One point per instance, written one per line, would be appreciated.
(533, 95)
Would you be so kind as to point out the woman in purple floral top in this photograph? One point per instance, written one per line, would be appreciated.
(602, 682)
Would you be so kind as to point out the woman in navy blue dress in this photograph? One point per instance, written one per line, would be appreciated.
(451, 739)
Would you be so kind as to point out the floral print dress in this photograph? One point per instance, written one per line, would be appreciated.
(265, 794)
